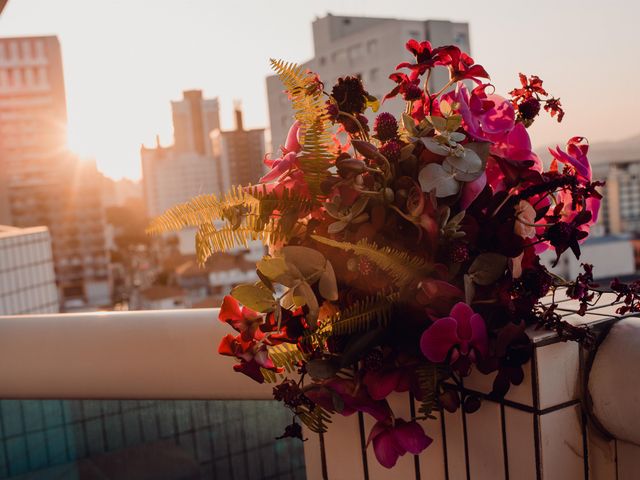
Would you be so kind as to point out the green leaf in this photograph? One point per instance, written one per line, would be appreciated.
(487, 268)
(256, 297)
(434, 177)
(328, 286)
(274, 268)
(322, 369)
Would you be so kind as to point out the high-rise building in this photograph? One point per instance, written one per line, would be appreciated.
(369, 48)
(27, 279)
(238, 154)
(193, 119)
(176, 173)
(618, 164)
(41, 182)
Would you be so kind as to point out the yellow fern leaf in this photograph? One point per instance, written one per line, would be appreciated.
(403, 268)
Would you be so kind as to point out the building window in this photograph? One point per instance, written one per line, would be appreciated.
(415, 34)
(355, 53)
(372, 46)
(323, 61)
(373, 75)
(339, 56)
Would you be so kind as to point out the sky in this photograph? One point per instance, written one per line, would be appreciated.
(125, 60)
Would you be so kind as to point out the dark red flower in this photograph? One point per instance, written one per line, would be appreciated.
(564, 235)
(350, 95)
(461, 66)
(407, 86)
(530, 85)
(426, 57)
(385, 127)
(554, 107)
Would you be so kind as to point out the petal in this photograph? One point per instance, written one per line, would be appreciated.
(471, 190)
(437, 340)
(461, 311)
(411, 437)
(292, 144)
(380, 385)
(479, 338)
(386, 450)
(230, 311)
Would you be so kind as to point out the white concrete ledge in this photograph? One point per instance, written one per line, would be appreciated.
(168, 354)
(614, 381)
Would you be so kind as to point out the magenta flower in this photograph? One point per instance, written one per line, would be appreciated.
(462, 336)
(354, 398)
(380, 384)
(393, 440)
(484, 116)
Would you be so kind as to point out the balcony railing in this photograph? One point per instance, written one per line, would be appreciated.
(153, 355)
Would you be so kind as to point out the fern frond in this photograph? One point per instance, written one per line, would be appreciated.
(287, 356)
(400, 266)
(310, 109)
(210, 239)
(428, 378)
(315, 419)
(363, 315)
(200, 210)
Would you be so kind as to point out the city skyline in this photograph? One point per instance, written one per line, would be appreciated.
(122, 101)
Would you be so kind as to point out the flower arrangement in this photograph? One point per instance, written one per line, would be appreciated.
(404, 254)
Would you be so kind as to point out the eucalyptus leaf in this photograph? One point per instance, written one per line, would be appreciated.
(255, 297)
(439, 123)
(409, 124)
(487, 268)
(434, 177)
(307, 260)
(328, 286)
(468, 162)
(322, 369)
(274, 268)
(435, 147)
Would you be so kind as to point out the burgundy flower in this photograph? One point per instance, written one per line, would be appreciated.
(353, 398)
(381, 383)
(350, 95)
(252, 354)
(462, 336)
(407, 86)
(393, 440)
(564, 235)
(461, 66)
(426, 57)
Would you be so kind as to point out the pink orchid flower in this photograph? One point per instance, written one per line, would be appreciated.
(483, 115)
(289, 159)
(381, 383)
(462, 336)
(516, 145)
(576, 157)
(355, 398)
(393, 440)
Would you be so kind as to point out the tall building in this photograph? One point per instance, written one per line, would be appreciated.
(41, 182)
(193, 119)
(618, 164)
(27, 279)
(238, 154)
(367, 47)
(176, 173)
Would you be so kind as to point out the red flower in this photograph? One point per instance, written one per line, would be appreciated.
(252, 354)
(426, 57)
(241, 319)
(393, 440)
(554, 107)
(530, 85)
(407, 86)
(461, 66)
(462, 336)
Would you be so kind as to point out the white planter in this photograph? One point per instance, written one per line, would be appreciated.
(539, 431)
